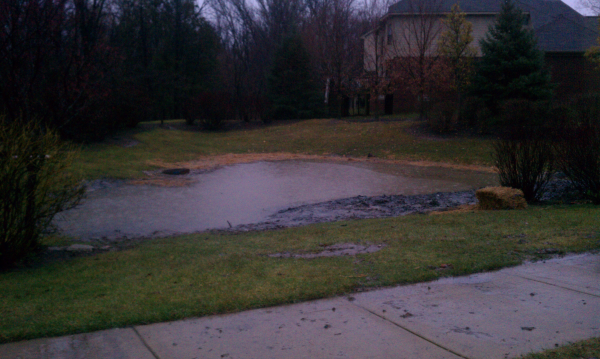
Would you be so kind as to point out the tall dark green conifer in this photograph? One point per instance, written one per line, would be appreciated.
(512, 67)
(292, 90)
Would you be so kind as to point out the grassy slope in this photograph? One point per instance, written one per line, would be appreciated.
(381, 139)
(205, 273)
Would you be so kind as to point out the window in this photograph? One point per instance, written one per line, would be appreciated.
(389, 34)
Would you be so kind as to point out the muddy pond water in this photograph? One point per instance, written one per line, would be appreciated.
(250, 193)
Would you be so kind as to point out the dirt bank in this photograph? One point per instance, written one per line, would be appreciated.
(208, 163)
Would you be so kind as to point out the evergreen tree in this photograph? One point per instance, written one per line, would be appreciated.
(511, 67)
(292, 91)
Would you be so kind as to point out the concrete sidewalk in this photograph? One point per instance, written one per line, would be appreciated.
(502, 314)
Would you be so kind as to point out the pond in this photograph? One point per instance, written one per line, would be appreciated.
(250, 193)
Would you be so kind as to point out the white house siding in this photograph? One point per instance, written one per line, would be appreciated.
(401, 30)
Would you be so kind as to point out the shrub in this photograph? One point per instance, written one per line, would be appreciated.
(128, 106)
(524, 163)
(521, 118)
(34, 186)
(578, 148)
(579, 159)
(211, 109)
(587, 109)
(476, 115)
(443, 117)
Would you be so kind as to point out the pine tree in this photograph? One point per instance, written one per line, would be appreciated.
(292, 91)
(511, 67)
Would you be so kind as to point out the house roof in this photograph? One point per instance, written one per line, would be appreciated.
(557, 26)
(565, 35)
(592, 22)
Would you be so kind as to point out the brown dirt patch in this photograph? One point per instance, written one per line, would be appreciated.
(207, 163)
(466, 208)
(335, 250)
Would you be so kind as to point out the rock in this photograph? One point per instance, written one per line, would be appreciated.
(176, 171)
(80, 248)
(500, 198)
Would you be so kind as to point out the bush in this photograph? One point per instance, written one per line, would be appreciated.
(443, 117)
(586, 110)
(211, 109)
(34, 187)
(128, 106)
(521, 118)
(579, 159)
(476, 115)
(578, 148)
(524, 163)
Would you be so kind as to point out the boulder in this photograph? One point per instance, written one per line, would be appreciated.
(500, 198)
(176, 171)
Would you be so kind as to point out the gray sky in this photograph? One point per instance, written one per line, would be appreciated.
(575, 4)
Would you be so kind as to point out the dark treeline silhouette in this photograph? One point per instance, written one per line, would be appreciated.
(90, 67)
(255, 33)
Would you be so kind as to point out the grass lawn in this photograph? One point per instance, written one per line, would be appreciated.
(203, 274)
(587, 349)
(208, 273)
(384, 139)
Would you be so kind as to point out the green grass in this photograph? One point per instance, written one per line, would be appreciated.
(204, 274)
(317, 137)
(586, 349)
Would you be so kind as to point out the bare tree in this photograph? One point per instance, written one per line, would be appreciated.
(54, 58)
(411, 42)
(591, 6)
(243, 57)
(332, 35)
(280, 18)
(374, 49)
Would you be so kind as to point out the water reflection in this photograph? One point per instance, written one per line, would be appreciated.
(249, 193)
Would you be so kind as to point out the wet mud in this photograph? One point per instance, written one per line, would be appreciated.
(361, 207)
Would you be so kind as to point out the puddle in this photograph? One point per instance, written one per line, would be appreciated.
(249, 193)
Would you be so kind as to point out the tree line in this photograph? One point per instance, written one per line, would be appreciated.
(89, 67)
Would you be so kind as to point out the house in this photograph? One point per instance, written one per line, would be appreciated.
(415, 25)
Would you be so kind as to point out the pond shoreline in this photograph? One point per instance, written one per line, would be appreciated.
(353, 208)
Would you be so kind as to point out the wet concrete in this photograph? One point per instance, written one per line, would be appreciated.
(113, 344)
(501, 314)
(249, 193)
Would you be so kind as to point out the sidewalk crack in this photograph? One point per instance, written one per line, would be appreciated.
(145, 344)
(555, 285)
(412, 332)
